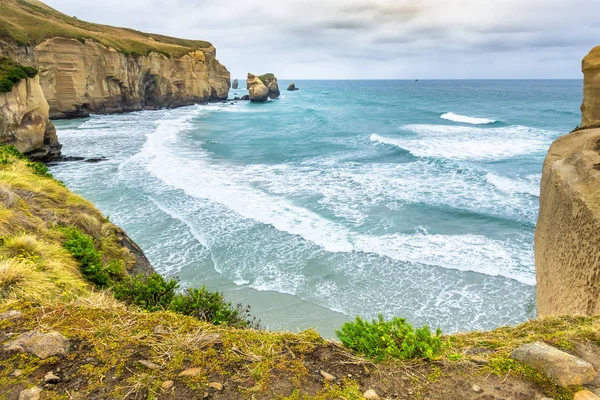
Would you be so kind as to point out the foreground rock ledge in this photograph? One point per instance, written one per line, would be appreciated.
(43, 345)
(562, 368)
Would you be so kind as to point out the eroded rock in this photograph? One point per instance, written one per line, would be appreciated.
(43, 345)
(235, 84)
(259, 92)
(562, 368)
(590, 108)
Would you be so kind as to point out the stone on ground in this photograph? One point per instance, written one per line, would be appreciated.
(327, 376)
(191, 372)
(216, 385)
(167, 385)
(51, 378)
(11, 314)
(585, 395)
(149, 365)
(43, 345)
(371, 395)
(562, 368)
(30, 394)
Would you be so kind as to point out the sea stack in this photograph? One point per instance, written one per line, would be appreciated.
(262, 87)
(590, 108)
(292, 87)
(235, 84)
(567, 244)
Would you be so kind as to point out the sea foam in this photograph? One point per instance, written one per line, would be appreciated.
(450, 116)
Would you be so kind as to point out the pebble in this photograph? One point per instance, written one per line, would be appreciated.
(479, 360)
(149, 364)
(216, 385)
(191, 372)
(17, 373)
(371, 395)
(477, 389)
(51, 378)
(167, 385)
(327, 376)
(11, 314)
(30, 394)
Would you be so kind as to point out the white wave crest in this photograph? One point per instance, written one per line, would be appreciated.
(450, 116)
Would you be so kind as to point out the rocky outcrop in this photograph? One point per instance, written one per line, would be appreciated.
(567, 243)
(258, 91)
(262, 87)
(292, 87)
(83, 77)
(590, 108)
(235, 84)
(24, 121)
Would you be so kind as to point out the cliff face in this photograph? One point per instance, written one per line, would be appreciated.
(590, 108)
(567, 240)
(24, 120)
(81, 78)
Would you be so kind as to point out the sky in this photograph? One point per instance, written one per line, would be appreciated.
(371, 39)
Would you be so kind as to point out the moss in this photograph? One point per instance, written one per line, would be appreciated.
(12, 72)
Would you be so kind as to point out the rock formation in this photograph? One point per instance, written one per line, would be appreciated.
(235, 84)
(24, 121)
(567, 239)
(590, 108)
(258, 91)
(262, 87)
(292, 87)
(82, 78)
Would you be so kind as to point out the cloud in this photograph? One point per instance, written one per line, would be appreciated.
(371, 38)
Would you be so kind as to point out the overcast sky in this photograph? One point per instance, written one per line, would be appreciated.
(371, 39)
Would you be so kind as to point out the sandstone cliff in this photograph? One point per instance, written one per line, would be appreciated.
(257, 90)
(590, 108)
(24, 120)
(90, 68)
(567, 239)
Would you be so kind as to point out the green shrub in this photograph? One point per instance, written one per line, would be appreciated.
(40, 169)
(81, 247)
(8, 154)
(150, 292)
(12, 72)
(396, 338)
(211, 307)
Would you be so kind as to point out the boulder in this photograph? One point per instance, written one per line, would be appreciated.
(258, 90)
(245, 97)
(585, 395)
(43, 345)
(11, 314)
(292, 87)
(235, 84)
(562, 368)
(270, 81)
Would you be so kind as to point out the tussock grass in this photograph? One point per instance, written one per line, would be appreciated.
(29, 22)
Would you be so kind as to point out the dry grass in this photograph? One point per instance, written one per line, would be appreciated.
(29, 22)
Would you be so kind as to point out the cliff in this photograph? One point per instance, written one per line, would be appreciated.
(89, 68)
(590, 108)
(24, 116)
(567, 243)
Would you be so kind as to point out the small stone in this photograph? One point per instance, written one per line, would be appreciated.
(216, 385)
(191, 372)
(205, 395)
(149, 365)
(479, 360)
(51, 378)
(160, 330)
(371, 395)
(327, 376)
(477, 389)
(31, 394)
(167, 385)
(585, 395)
(17, 373)
(562, 368)
(11, 314)
(43, 345)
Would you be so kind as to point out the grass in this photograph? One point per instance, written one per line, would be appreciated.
(30, 22)
(267, 78)
(12, 72)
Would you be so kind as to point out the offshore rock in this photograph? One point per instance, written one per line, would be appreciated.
(270, 82)
(24, 121)
(258, 91)
(235, 84)
(590, 108)
(292, 87)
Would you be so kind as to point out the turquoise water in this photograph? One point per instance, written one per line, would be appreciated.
(416, 199)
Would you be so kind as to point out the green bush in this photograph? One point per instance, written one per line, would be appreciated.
(81, 247)
(396, 338)
(151, 292)
(12, 72)
(40, 169)
(211, 307)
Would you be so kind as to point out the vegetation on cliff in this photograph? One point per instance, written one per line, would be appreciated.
(12, 72)
(30, 22)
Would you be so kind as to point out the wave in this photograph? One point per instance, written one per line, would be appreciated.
(450, 116)
(512, 186)
(470, 143)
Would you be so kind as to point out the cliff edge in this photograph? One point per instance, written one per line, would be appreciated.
(90, 68)
(590, 108)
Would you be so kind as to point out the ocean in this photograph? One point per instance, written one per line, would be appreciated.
(415, 199)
